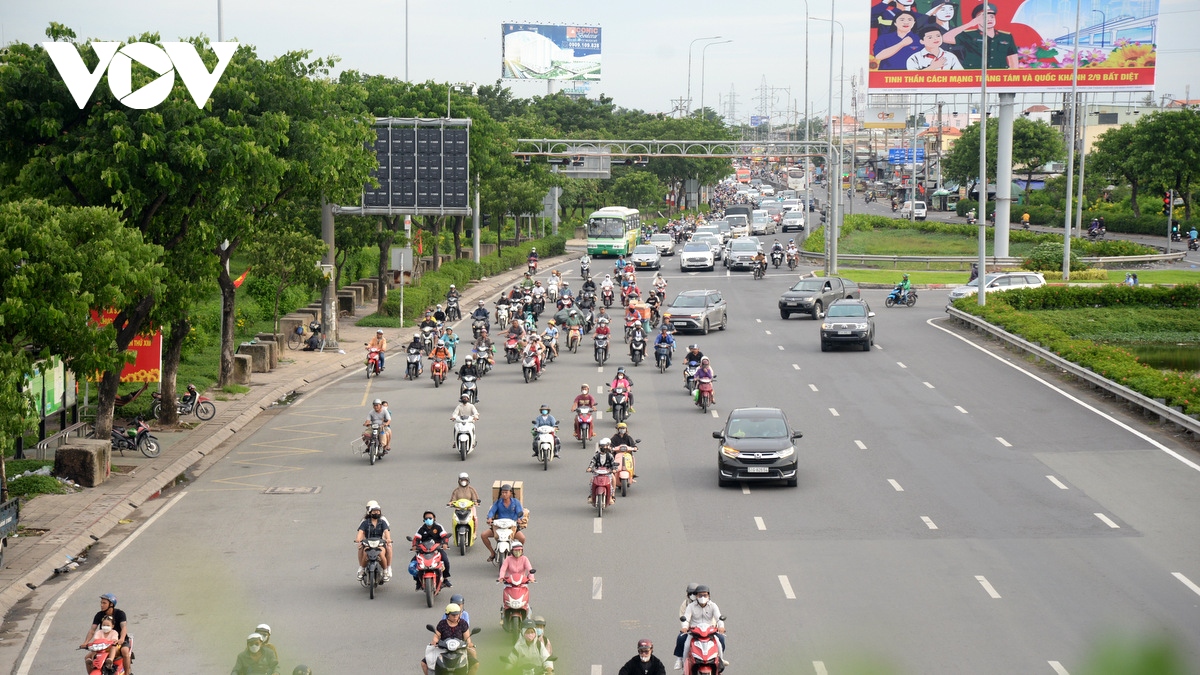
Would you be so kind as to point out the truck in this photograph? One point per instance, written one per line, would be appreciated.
(811, 296)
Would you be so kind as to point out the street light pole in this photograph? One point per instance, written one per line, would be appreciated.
(220, 23)
(689, 81)
(1103, 25)
(1071, 152)
(702, 55)
(405, 44)
(835, 192)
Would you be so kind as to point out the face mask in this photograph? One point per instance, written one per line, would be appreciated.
(254, 649)
(545, 412)
(644, 657)
(691, 596)
(518, 553)
(702, 601)
(375, 516)
(106, 629)
(429, 522)
(462, 483)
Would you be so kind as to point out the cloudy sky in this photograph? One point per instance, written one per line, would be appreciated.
(645, 42)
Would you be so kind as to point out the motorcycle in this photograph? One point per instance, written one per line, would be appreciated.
(537, 306)
(136, 437)
(760, 270)
(533, 264)
(620, 405)
(412, 370)
(552, 293)
(512, 349)
(453, 313)
(1096, 234)
(529, 367)
(438, 371)
(602, 489)
(585, 268)
(464, 435)
(689, 376)
(428, 337)
(549, 343)
(625, 473)
(606, 296)
(191, 402)
(583, 422)
(600, 351)
(373, 367)
(703, 655)
(896, 297)
(505, 530)
(373, 577)
(428, 568)
(1193, 244)
(573, 338)
(793, 260)
(637, 348)
(98, 654)
(545, 445)
(514, 601)
(704, 393)
(662, 353)
(776, 258)
(449, 656)
(632, 326)
(463, 525)
(374, 449)
(469, 386)
(477, 328)
(502, 316)
(1176, 236)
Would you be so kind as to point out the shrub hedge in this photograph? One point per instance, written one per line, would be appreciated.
(1016, 312)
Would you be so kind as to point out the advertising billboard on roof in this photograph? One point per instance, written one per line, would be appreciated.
(937, 45)
(542, 52)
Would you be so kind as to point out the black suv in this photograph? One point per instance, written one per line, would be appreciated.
(756, 444)
(848, 321)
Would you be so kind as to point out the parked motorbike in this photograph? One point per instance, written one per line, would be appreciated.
(464, 435)
(620, 405)
(136, 437)
(449, 656)
(583, 422)
(438, 371)
(506, 530)
(453, 313)
(529, 368)
(463, 525)
(602, 489)
(191, 402)
(373, 577)
(625, 465)
(545, 445)
(637, 348)
(412, 370)
(514, 601)
(896, 297)
(470, 387)
(600, 350)
(373, 365)
(429, 568)
(704, 393)
(776, 258)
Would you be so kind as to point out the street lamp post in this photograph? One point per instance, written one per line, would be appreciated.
(689, 81)
(1071, 150)
(1103, 25)
(835, 192)
(702, 55)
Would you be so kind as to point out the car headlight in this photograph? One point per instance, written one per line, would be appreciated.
(787, 452)
(729, 452)
(826, 326)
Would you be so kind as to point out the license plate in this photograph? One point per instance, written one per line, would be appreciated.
(758, 469)
(843, 332)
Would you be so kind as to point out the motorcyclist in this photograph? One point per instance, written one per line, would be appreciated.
(1094, 225)
(453, 626)
(552, 333)
(777, 247)
(584, 398)
(660, 283)
(374, 526)
(622, 437)
(538, 292)
(574, 318)
(254, 660)
(621, 380)
(468, 368)
(481, 314)
(905, 286)
(693, 355)
(619, 266)
(534, 348)
(464, 409)
(379, 415)
(452, 293)
(545, 419)
(379, 342)
(540, 623)
(606, 284)
(122, 643)
(639, 335)
(589, 286)
(529, 653)
(1025, 220)
(465, 490)
(484, 347)
(439, 314)
(632, 316)
(533, 256)
(603, 457)
(414, 347)
(440, 351)
(760, 260)
(516, 563)
(705, 370)
(701, 612)
(645, 663)
(514, 295)
(431, 530)
(507, 506)
(451, 340)
(429, 321)
(665, 338)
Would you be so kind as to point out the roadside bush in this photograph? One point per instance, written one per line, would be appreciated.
(27, 486)
(1048, 255)
(1096, 274)
(1151, 224)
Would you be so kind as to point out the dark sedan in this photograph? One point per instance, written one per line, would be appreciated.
(757, 444)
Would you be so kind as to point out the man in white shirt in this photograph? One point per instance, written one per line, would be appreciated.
(932, 56)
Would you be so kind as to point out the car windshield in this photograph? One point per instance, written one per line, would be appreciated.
(688, 301)
(661, 237)
(696, 248)
(743, 245)
(645, 248)
(757, 427)
(606, 227)
(809, 285)
(846, 310)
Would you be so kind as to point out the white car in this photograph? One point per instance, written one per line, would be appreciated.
(713, 242)
(665, 243)
(767, 191)
(696, 255)
(908, 210)
(999, 281)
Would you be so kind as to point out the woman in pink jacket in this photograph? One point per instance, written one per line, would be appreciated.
(516, 563)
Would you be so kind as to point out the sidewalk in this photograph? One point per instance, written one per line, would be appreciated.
(70, 523)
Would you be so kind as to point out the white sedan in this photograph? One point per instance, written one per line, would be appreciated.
(696, 255)
(665, 243)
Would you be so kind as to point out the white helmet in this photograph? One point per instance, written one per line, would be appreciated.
(372, 506)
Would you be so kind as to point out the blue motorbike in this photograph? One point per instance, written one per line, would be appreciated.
(897, 297)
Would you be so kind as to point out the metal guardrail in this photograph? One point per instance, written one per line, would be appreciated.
(1120, 391)
(991, 260)
(83, 429)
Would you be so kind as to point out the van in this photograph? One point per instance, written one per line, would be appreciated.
(917, 211)
(761, 222)
(739, 225)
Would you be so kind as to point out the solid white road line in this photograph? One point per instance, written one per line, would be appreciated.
(795, 366)
(928, 522)
(1187, 462)
(1004, 442)
(599, 414)
(1107, 521)
(767, 332)
(39, 635)
(597, 588)
(819, 668)
(901, 364)
(861, 445)
(1058, 483)
(597, 669)
(597, 525)
(813, 387)
(834, 412)
(895, 485)
(745, 489)
(759, 522)
(928, 385)
(758, 320)
(787, 587)
(780, 347)
(1057, 667)
(987, 586)
(960, 409)
(1187, 582)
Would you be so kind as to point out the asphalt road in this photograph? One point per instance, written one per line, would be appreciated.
(954, 514)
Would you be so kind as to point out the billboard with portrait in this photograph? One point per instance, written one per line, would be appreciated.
(542, 52)
(937, 45)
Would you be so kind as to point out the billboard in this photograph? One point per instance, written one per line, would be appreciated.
(541, 52)
(936, 45)
(885, 118)
(147, 350)
(424, 168)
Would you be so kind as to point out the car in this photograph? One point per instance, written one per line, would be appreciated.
(789, 204)
(724, 229)
(811, 296)
(755, 182)
(792, 220)
(767, 191)
(757, 444)
(706, 229)
(714, 243)
(696, 255)
(645, 256)
(848, 321)
(741, 252)
(739, 224)
(664, 242)
(697, 310)
(999, 281)
(761, 223)
(908, 210)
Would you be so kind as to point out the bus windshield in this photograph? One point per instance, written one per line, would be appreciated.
(606, 227)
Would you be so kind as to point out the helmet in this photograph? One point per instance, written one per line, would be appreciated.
(621, 369)
(528, 625)
(469, 358)
(605, 441)
(691, 589)
(604, 319)
(539, 620)
(693, 346)
(453, 608)
(439, 307)
(905, 276)
(452, 286)
(302, 670)
(112, 599)
(573, 311)
(544, 407)
(373, 506)
(465, 398)
(663, 328)
(701, 589)
(704, 359)
(379, 332)
(377, 402)
(481, 303)
(254, 637)
(645, 643)
(584, 386)
(533, 249)
(456, 599)
(263, 629)
(550, 322)
(622, 425)
(518, 544)
(464, 476)
(791, 241)
(441, 342)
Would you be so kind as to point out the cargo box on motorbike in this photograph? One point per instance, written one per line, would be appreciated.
(642, 308)
(518, 490)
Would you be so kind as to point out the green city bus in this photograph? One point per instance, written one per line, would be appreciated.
(613, 230)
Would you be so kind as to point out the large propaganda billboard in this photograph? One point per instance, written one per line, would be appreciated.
(147, 350)
(936, 45)
(542, 52)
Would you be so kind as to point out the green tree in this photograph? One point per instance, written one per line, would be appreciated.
(1115, 154)
(1168, 145)
(637, 188)
(1035, 144)
(287, 255)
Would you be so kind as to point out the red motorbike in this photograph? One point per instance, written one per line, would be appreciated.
(438, 371)
(704, 396)
(514, 602)
(606, 296)
(98, 654)
(703, 655)
(584, 428)
(191, 402)
(512, 349)
(373, 363)
(602, 489)
(427, 568)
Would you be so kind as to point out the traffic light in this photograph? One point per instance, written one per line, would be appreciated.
(487, 220)
(1166, 208)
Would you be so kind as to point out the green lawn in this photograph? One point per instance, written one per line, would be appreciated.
(921, 276)
(908, 242)
(1126, 324)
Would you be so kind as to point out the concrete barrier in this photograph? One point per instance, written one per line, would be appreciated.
(287, 325)
(370, 288)
(83, 460)
(356, 290)
(346, 303)
(259, 355)
(272, 352)
(242, 365)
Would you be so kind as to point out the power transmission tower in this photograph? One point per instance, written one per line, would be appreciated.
(731, 107)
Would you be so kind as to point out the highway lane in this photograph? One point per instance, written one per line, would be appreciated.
(869, 576)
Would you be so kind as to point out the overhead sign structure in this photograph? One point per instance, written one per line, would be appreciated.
(423, 168)
(885, 118)
(931, 46)
(904, 155)
(759, 120)
(544, 52)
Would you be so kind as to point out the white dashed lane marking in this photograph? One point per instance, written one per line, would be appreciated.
(861, 445)
(960, 409)
(758, 521)
(901, 364)
(819, 668)
(1058, 483)
(795, 366)
(928, 385)
(787, 587)
(597, 588)
(745, 489)
(834, 412)
(813, 387)
(1187, 582)
(987, 586)
(780, 347)
(767, 332)
(1107, 521)
(1058, 668)
(895, 485)
(928, 522)
(1004, 442)
(597, 525)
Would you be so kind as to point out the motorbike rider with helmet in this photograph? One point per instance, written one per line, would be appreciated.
(379, 342)
(464, 409)
(645, 663)
(457, 599)
(431, 530)
(468, 367)
(481, 314)
(622, 437)
(122, 644)
(265, 631)
(700, 611)
(665, 338)
(621, 380)
(381, 416)
(254, 660)
(465, 490)
(552, 333)
(517, 563)
(905, 286)
(453, 626)
(545, 419)
(588, 287)
(603, 457)
(507, 506)
(439, 314)
(451, 340)
(539, 623)
(429, 321)
(440, 351)
(705, 370)
(374, 526)
(529, 653)
(584, 398)
(693, 355)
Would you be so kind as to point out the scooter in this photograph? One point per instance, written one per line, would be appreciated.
(373, 577)
(585, 268)
(512, 349)
(453, 313)
(625, 465)
(469, 386)
(533, 264)
(449, 656)
(776, 258)
(600, 350)
(98, 654)
(505, 530)
(550, 344)
(545, 445)
(620, 405)
(373, 366)
(529, 367)
(637, 348)
(602, 489)
(413, 368)
(191, 402)
(464, 436)
(1096, 233)
(583, 422)
(606, 296)
(793, 260)
(438, 371)
(573, 338)
(428, 568)
(463, 525)
(477, 328)
(896, 297)
(427, 339)
(662, 352)
(689, 376)
(1193, 245)
(704, 393)
(703, 655)
(502, 316)
(136, 437)
(514, 601)
(374, 449)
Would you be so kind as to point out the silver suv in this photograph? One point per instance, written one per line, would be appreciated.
(697, 310)
(999, 281)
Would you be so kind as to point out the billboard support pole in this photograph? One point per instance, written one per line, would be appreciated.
(1004, 152)
(1083, 122)
(983, 181)
(1066, 272)
(475, 223)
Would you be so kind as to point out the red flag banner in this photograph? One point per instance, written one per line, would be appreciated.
(237, 283)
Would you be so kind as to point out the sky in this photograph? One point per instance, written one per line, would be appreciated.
(645, 43)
